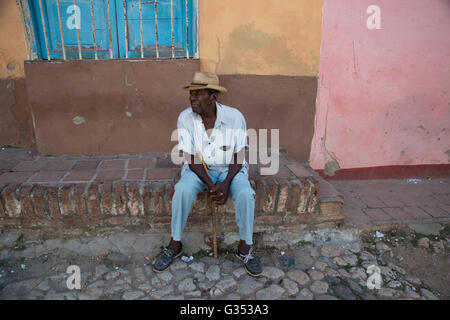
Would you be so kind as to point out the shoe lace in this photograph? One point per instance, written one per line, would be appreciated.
(248, 256)
(167, 252)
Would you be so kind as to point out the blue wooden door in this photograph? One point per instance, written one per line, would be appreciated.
(156, 37)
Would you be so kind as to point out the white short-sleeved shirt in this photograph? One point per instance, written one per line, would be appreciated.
(228, 136)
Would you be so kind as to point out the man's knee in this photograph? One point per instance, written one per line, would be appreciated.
(245, 194)
(184, 189)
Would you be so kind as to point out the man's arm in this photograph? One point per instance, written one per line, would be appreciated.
(219, 192)
(196, 166)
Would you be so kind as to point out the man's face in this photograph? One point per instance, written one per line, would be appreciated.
(199, 100)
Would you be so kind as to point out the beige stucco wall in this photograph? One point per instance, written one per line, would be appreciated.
(260, 37)
(12, 43)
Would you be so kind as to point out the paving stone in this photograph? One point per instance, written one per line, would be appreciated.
(394, 284)
(248, 286)
(165, 276)
(343, 292)
(387, 272)
(381, 246)
(186, 285)
(225, 284)
(139, 274)
(132, 295)
(156, 282)
(319, 287)
(332, 273)
(367, 256)
(305, 294)
(273, 292)
(330, 251)
(173, 297)
(239, 272)
(160, 293)
(355, 248)
(423, 243)
(44, 285)
(354, 286)
(319, 265)
(304, 257)
(340, 262)
(117, 257)
(233, 296)
(178, 265)
(332, 280)
(326, 297)
(193, 294)
(412, 294)
(100, 271)
(428, 294)
(227, 266)
(386, 292)
(69, 295)
(427, 228)
(9, 239)
(272, 273)
(351, 259)
(95, 289)
(298, 276)
(414, 280)
(199, 276)
(197, 266)
(344, 273)
(316, 275)
(99, 246)
(397, 268)
(213, 273)
(286, 261)
(358, 273)
(206, 285)
(181, 274)
(290, 286)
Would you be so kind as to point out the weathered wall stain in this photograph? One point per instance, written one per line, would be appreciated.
(15, 119)
(260, 37)
(249, 50)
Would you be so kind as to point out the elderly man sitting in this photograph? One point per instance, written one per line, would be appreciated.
(218, 134)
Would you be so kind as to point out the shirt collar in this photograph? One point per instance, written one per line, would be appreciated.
(220, 115)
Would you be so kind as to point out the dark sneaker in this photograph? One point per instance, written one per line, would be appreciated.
(165, 259)
(251, 263)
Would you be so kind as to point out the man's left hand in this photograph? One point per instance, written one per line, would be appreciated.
(219, 193)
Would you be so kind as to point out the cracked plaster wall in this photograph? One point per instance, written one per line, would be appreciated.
(383, 95)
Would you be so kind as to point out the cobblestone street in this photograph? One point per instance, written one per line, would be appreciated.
(118, 266)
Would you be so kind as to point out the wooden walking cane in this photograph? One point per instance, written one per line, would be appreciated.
(213, 211)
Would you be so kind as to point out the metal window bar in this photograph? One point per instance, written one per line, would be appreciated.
(78, 30)
(22, 19)
(93, 30)
(45, 29)
(156, 28)
(140, 24)
(126, 27)
(172, 29)
(109, 30)
(61, 30)
(187, 30)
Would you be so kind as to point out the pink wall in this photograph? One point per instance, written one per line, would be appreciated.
(383, 95)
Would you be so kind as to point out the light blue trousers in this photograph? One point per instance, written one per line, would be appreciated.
(190, 185)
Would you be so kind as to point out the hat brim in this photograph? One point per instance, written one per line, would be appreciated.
(209, 86)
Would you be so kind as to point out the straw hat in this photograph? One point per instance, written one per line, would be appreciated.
(205, 80)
